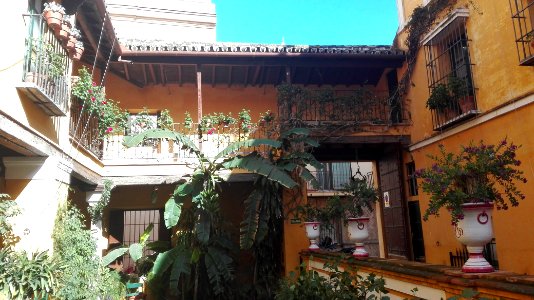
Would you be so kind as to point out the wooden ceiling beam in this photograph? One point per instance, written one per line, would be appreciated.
(246, 76)
(265, 75)
(256, 75)
(152, 73)
(162, 75)
(213, 78)
(87, 33)
(126, 72)
(230, 76)
(180, 75)
(145, 79)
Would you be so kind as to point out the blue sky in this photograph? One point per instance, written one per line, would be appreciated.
(308, 22)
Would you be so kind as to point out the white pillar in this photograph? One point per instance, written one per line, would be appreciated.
(39, 185)
(96, 227)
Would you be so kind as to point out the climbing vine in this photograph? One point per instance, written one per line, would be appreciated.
(97, 210)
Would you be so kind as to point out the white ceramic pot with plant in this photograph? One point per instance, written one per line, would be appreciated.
(358, 229)
(312, 233)
(469, 184)
(475, 230)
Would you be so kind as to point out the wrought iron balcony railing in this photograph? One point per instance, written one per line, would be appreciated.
(46, 68)
(523, 20)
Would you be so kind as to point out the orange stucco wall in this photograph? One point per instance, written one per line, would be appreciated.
(499, 80)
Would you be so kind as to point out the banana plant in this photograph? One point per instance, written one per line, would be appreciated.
(201, 260)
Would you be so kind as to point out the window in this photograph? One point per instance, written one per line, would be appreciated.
(523, 20)
(448, 66)
(412, 179)
(126, 226)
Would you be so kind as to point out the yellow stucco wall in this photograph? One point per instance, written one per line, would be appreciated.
(499, 80)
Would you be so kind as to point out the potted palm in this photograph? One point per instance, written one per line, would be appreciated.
(469, 184)
(360, 197)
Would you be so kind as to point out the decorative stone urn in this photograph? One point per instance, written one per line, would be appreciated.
(312, 232)
(358, 233)
(475, 230)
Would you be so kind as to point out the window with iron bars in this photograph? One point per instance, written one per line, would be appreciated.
(523, 20)
(449, 74)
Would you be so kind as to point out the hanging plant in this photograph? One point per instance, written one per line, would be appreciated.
(111, 118)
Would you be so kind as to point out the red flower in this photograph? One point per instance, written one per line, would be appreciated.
(90, 91)
(93, 99)
(104, 102)
(110, 129)
(211, 130)
(94, 83)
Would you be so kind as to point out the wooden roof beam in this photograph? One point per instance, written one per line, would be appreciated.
(87, 33)
(179, 75)
(256, 75)
(145, 79)
(246, 76)
(230, 76)
(152, 73)
(126, 72)
(162, 75)
(213, 72)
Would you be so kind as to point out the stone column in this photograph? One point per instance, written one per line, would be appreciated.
(97, 230)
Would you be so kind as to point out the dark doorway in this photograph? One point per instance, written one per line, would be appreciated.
(418, 244)
(393, 204)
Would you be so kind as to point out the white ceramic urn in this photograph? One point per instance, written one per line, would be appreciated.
(312, 232)
(358, 232)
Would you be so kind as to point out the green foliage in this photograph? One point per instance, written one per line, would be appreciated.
(97, 210)
(27, 277)
(8, 209)
(110, 116)
(245, 120)
(439, 98)
(360, 194)
(165, 120)
(83, 277)
(310, 285)
(188, 121)
(478, 173)
(52, 62)
(135, 250)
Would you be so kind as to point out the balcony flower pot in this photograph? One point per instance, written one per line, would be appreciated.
(478, 176)
(313, 233)
(53, 14)
(78, 51)
(475, 230)
(467, 103)
(62, 32)
(358, 229)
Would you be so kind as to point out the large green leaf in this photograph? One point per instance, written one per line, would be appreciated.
(219, 269)
(295, 131)
(181, 265)
(263, 167)
(146, 234)
(183, 189)
(203, 227)
(136, 251)
(164, 261)
(308, 177)
(158, 246)
(246, 144)
(172, 213)
(113, 255)
(249, 225)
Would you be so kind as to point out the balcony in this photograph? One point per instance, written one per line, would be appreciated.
(340, 108)
(210, 143)
(46, 68)
(335, 175)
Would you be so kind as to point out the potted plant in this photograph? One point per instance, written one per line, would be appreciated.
(78, 50)
(312, 222)
(188, 121)
(226, 120)
(469, 184)
(74, 36)
(245, 120)
(266, 117)
(460, 93)
(53, 14)
(360, 197)
(439, 99)
(62, 32)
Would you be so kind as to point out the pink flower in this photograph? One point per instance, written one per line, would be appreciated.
(93, 99)
(104, 102)
(90, 91)
(109, 130)
(94, 83)
(211, 130)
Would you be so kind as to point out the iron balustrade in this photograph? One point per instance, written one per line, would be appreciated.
(333, 176)
(46, 62)
(362, 106)
(523, 20)
(84, 128)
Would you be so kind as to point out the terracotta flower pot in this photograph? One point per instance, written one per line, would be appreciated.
(71, 44)
(54, 19)
(467, 104)
(313, 233)
(475, 230)
(62, 32)
(359, 232)
(77, 54)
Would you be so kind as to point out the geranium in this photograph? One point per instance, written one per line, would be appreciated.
(478, 173)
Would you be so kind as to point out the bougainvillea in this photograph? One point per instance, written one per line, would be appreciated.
(478, 173)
